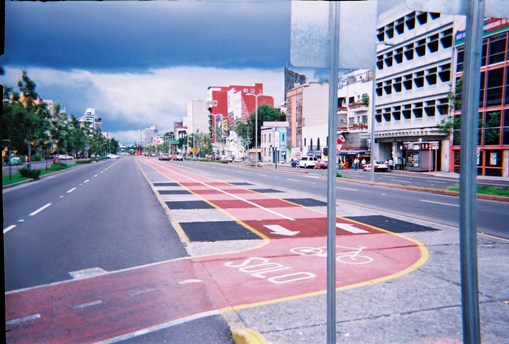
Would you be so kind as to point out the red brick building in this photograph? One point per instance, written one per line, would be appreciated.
(228, 104)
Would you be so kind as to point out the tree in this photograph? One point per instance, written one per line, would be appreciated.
(245, 132)
(265, 114)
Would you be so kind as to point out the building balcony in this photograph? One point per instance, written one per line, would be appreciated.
(358, 107)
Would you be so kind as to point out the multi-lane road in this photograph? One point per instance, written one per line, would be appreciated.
(98, 253)
(492, 219)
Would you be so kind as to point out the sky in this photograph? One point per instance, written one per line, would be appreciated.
(138, 63)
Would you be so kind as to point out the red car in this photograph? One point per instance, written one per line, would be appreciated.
(321, 164)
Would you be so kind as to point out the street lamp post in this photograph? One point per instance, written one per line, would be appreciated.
(256, 125)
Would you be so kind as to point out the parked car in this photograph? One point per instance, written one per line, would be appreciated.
(379, 165)
(64, 157)
(321, 164)
(308, 161)
(15, 160)
(164, 156)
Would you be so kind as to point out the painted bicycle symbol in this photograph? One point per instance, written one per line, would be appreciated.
(344, 254)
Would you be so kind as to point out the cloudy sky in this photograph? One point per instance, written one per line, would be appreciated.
(139, 63)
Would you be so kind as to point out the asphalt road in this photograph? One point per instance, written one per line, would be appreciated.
(99, 217)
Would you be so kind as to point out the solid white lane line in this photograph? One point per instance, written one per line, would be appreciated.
(40, 209)
(231, 195)
(441, 203)
(71, 190)
(9, 228)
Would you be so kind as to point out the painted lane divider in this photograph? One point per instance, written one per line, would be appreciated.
(71, 190)
(189, 281)
(280, 230)
(40, 209)
(23, 319)
(350, 228)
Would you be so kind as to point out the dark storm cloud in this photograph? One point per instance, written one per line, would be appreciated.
(131, 36)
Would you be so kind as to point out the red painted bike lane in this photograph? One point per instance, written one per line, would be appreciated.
(291, 263)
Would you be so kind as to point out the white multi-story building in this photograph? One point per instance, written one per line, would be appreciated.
(413, 80)
(273, 141)
(354, 112)
(197, 119)
(91, 119)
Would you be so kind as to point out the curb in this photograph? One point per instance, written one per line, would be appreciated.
(247, 336)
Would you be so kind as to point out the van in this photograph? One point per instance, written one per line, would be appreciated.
(308, 161)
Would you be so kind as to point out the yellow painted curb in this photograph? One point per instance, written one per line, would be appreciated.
(248, 336)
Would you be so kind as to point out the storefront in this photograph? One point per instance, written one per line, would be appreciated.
(421, 156)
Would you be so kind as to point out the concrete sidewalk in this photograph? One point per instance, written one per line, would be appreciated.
(423, 306)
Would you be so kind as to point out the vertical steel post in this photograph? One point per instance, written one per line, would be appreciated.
(372, 125)
(468, 172)
(331, 171)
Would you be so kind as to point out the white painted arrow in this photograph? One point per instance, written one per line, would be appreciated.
(279, 230)
(350, 228)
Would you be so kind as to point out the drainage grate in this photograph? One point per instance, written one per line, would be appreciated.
(173, 192)
(165, 184)
(306, 202)
(217, 231)
(188, 205)
(392, 225)
(265, 190)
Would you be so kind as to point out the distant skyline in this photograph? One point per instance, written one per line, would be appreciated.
(139, 63)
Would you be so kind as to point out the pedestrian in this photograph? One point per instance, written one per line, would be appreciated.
(356, 164)
(391, 164)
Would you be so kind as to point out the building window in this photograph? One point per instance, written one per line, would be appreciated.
(460, 59)
(505, 129)
(491, 128)
(507, 86)
(494, 87)
(497, 48)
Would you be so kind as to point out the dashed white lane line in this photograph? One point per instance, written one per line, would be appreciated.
(293, 180)
(71, 190)
(142, 292)
(347, 189)
(189, 281)
(23, 319)
(40, 209)
(86, 181)
(87, 304)
(9, 228)
(441, 203)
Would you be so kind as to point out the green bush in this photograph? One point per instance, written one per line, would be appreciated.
(57, 166)
(85, 161)
(29, 173)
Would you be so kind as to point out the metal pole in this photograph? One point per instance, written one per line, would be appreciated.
(256, 130)
(468, 173)
(331, 172)
(372, 125)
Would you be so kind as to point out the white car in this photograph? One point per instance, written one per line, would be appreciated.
(379, 166)
(308, 161)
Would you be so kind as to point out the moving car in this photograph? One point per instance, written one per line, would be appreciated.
(179, 157)
(379, 165)
(308, 161)
(164, 156)
(321, 164)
